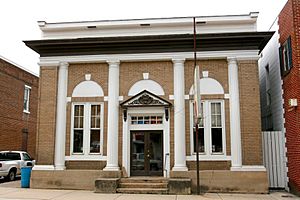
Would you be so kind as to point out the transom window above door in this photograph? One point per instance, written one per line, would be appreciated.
(146, 120)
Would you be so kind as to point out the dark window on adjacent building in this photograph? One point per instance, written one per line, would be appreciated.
(285, 55)
(26, 99)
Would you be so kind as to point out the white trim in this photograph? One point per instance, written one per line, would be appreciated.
(238, 54)
(85, 158)
(149, 85)
(113, 114)
(50, 63)
(245, 18)
(61, 116)
(86, 155)
(209, 158)
(249, 168)
(127, 127)
(69, 99)
(226, 96)
(87, 89)
(27, 86)
(43, 167)
(209, 86)
(154, 26)
(25, 111)
(234, 111)
(179, 116)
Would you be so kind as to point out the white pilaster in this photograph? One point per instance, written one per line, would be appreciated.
(113, 116)
(60, 135)
(179, 116)
(235, 121)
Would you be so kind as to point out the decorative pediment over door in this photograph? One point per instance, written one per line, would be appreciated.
(145, 98)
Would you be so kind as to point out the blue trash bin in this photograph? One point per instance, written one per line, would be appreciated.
(25, 177)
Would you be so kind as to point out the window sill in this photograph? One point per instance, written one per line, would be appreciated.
(203, 157)
(81, 157)
(26, 111)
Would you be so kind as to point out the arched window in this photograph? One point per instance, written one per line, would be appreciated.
(87, 121)
(88, 89)
(148, 85)
(211, 135)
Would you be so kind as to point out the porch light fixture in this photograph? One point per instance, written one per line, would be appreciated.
(125, 114)
(167, 113)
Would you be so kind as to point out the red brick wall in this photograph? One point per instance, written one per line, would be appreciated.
(289, 21)
(13, 119)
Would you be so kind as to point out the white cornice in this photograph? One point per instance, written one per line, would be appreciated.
(239, 55)
(153, 26)
(217, 19)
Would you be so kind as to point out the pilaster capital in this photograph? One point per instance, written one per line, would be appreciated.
(63, 65)
(177, 61)
(232, 60)
(113, 62)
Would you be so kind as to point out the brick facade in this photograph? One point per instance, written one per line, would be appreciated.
(162, 73)
(46, 115)
(17, 129)
(289, 21)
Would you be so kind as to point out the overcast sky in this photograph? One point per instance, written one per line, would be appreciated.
(18, 18)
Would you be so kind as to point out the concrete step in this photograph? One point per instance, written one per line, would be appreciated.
(142, 190)
(144, 180)
(143, 185)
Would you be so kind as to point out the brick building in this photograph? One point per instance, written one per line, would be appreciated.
(116, 102)
(18, 102)
(280, 68)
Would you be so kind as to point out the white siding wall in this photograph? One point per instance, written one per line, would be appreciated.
(270, 56)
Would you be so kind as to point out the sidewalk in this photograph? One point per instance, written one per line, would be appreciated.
(8, 192)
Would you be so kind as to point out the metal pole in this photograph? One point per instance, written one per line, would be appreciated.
(196, 124)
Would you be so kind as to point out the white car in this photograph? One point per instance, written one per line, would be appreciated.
(11, 163)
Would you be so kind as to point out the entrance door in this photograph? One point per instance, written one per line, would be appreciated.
(146, 153)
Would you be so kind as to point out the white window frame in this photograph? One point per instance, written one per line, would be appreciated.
(86, 132)
(26, 88)
(208, 154)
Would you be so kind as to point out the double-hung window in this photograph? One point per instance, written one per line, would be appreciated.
(285, 56)
(26, 99)
(211, 128)
(87, 128)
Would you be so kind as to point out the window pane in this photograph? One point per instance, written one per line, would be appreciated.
(26, 99)
(95, 116)
(201, 114)
(159, 119)
(200, 140)
(78, 110)
(216, 115)
(78, 141)
(153, 119)
(146, 119)
(216, 137)
(95, 141)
